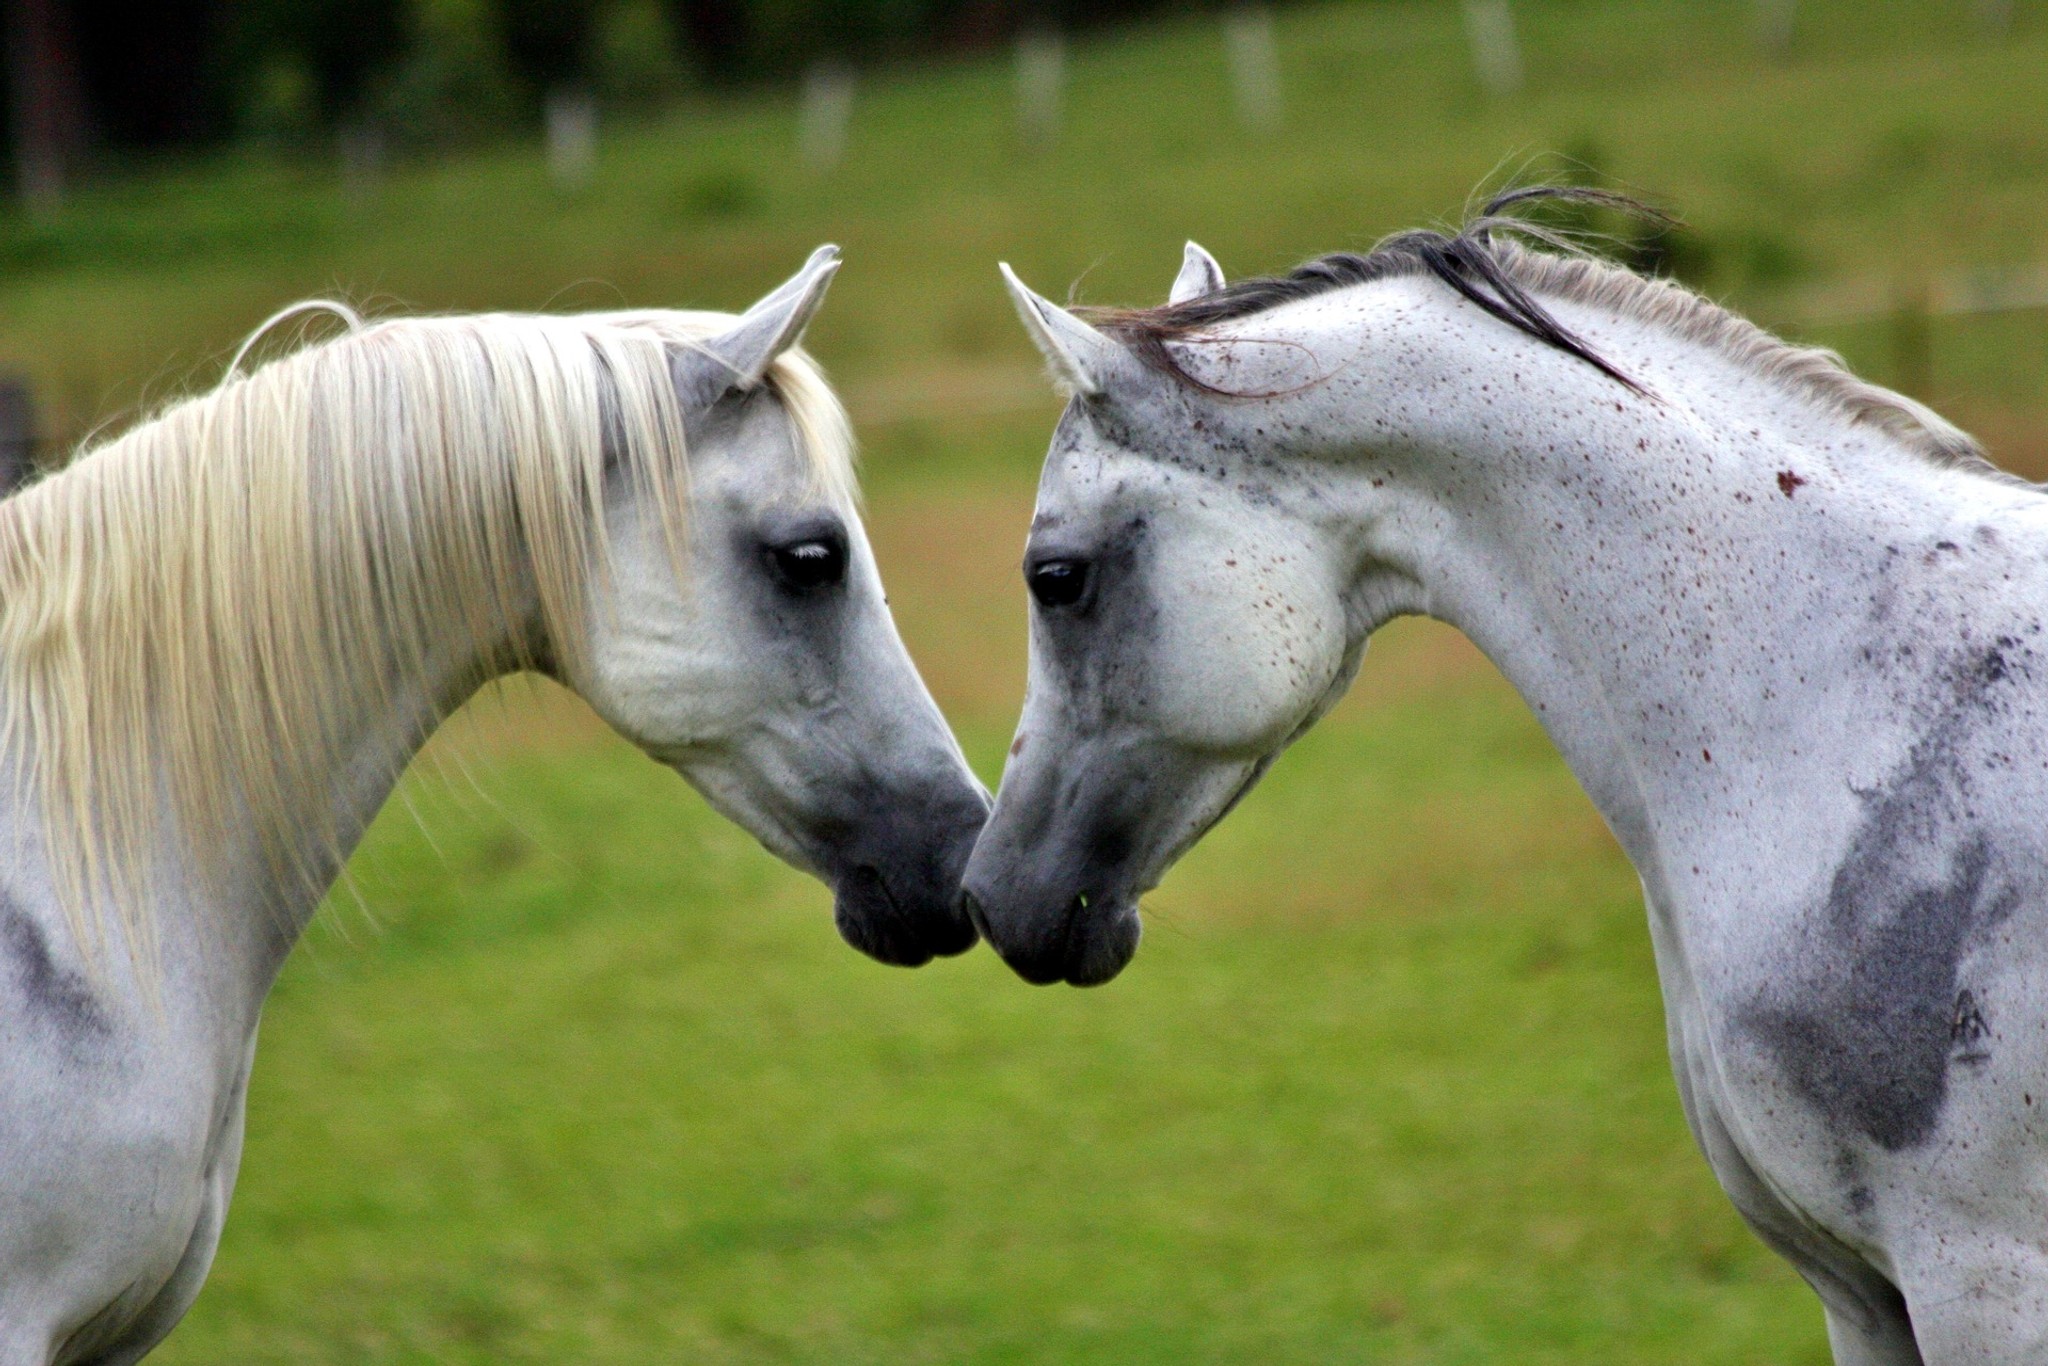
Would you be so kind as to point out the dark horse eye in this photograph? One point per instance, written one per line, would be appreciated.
(1057, 583)
(808, 565)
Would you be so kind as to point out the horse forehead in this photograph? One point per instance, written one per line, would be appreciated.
(1119, 435)
(1088, 478)
(748, 447)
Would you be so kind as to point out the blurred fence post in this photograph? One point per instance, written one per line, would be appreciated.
(1995, 16)
(826, 114)
(1041, 71)
(571, 138)
(362, 159)
(1775, 22)
(46, 98)
(1490, 26)
(18, 437)
(1254, 66)
(1913, 343)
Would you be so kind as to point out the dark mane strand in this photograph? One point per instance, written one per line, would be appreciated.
(1469, 261)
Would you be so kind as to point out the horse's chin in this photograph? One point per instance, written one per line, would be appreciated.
(1102, 944)
(874, 920)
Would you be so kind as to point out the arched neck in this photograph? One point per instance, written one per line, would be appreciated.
(1686, 585)
(375, 745)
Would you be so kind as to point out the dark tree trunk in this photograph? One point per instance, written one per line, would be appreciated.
(17, 433)
(46, 102)
(716, 31)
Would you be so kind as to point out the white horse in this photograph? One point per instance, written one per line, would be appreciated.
(223, 635)
(1785, 627)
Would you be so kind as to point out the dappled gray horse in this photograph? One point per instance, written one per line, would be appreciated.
(223, 635)
(1785, 627)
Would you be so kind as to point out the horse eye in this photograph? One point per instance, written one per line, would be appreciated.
(1057, 583)
(808, 565)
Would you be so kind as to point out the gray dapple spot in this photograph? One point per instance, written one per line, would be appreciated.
(1868, 1041)
(59, 996)
(1870, 1050)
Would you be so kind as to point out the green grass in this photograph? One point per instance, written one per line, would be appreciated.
(597, 1081)
(1387, 1083)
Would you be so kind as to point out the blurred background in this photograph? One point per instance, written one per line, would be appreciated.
(576, 1073)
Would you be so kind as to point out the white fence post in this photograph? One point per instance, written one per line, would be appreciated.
(362, 158)
(827, 113)
(1254, 66)
(1775, 22)
(1041, 72)
(571, 137)
(1495, 55)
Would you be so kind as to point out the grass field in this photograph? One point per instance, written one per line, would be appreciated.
(628, 1099)
(588, 1077)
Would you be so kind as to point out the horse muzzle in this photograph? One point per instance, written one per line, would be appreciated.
(898, 899)
(1050, 935)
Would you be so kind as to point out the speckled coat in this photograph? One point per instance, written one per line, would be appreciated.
(1786, 636)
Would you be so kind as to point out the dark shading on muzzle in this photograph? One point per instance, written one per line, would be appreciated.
(898, 901)
(1049, 885)
(1084, 943)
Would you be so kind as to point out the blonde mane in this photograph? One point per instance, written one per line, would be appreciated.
(193, 613)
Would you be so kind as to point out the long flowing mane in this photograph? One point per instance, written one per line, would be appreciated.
(192, 613)
(1485, 263)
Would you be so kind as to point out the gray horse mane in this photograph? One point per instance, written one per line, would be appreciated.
(1484, 262)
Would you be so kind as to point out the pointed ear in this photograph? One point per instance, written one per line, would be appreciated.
(1199, 275)
(1078, 356)
(774, 324)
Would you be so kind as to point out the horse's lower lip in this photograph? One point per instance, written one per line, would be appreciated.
(1101, 943)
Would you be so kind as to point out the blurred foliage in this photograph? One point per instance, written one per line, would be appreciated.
(777, 36)
(633, 55)
(454, 81)
(1749, 257)
(185, 73)
(331, 48)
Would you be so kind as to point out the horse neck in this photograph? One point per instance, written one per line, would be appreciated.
(1682, 586)
(268, 899)
(225, 917)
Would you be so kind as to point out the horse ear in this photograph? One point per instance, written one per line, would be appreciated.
(774, 324)
(1199, 275)
(1078, 356)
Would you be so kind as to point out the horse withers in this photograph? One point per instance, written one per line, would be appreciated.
(223, 635)
(1785, 627)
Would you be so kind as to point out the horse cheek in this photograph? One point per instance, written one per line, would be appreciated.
(1259, 651)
